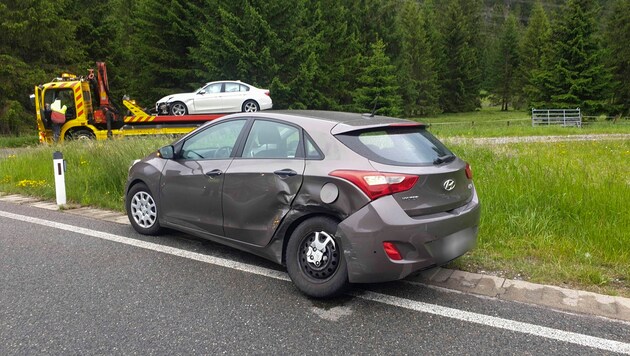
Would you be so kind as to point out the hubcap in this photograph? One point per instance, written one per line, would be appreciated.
(250, 107)
(319, 255)
(178, 109)
(143, 209)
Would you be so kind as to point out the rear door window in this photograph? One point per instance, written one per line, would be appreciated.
(270, 139)
(396, 145)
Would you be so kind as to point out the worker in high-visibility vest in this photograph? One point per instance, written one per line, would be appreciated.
(58, 117)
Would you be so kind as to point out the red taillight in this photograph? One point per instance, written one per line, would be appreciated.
(468, 171)
(392, 251)
(377, 184)
(267, 92)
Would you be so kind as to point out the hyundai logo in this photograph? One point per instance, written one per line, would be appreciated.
(448, 185)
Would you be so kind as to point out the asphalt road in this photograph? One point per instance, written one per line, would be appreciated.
(74, 285)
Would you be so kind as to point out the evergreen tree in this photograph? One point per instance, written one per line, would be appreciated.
(340, 54)
(121, 55)
(535, 42)
(161, 63)
(236, 42)
(506, 63)
(434, 40)
(297, 82)
(377, 89)
(37, 43)
(573, 74)
(460, 76)
(417, 73)
(95, 32)
(618, 44)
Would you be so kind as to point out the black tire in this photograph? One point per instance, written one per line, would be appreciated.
(178, 109)
(142, 210)
(250, 106)
(82, 135)
(327, 277)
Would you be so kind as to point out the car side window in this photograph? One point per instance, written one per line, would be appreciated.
(312, 152)
(215, 142)
(232, 87)
(213, 88)
(270, 139)
(244, 87)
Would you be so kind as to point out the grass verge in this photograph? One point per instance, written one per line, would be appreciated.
(18, 141)
(96, 171)
(554, 212)
(492, 122)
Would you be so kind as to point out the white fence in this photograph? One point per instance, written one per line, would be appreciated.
(564, 117)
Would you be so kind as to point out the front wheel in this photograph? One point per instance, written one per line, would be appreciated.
(250, 106)
(315, 260)
(142, 210)
(178, 108)
(81, 135)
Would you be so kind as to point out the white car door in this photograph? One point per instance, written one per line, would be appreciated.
(234, 96)
(209, 99)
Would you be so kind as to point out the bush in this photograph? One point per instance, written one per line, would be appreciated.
(14, 119)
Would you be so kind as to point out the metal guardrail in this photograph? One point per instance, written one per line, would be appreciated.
(564, 117)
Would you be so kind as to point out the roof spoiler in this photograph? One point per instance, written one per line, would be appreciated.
(346, 127)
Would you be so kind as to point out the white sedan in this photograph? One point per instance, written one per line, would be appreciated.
(216, 97)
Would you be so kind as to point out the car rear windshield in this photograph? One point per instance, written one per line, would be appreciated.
(396, 145)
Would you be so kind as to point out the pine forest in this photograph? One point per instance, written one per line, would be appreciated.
(406, 58)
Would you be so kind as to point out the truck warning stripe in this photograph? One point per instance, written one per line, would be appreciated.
(139, 118)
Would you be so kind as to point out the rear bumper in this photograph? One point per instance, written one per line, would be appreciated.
(266, 105)
(423, 242)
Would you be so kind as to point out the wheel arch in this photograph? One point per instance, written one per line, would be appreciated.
(247, 101)
(67, 133)
(185, 103)
(291, 226)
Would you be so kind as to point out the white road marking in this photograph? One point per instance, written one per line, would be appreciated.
(486, 320)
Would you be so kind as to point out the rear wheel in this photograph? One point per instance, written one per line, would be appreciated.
(142, 210)
(315, 259)
(250, 106)
(178, 108)
(82, 135)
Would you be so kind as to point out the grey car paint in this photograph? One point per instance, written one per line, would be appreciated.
(431, 229)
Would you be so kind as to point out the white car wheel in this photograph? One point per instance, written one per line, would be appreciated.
(250, 106)
(178, 108)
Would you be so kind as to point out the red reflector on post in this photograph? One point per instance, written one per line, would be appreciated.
(392, 251)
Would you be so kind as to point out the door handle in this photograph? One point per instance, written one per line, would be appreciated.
(287, 172)
(214, 173)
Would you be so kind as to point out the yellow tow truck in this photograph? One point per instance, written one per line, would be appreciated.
(91, 114)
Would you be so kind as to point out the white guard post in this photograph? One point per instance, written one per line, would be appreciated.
(59, 166)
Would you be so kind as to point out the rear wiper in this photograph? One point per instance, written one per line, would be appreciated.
(443, 159)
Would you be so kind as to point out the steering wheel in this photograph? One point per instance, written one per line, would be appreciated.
(191, 152)
(223, 152)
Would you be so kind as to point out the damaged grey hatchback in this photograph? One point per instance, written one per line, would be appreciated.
(336, 197)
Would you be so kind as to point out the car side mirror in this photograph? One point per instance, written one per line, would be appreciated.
(166, 152)
(201, 92)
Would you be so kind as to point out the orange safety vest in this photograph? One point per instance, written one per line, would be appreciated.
(58, 114)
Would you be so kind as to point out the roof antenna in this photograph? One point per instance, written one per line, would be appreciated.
(374, 108)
